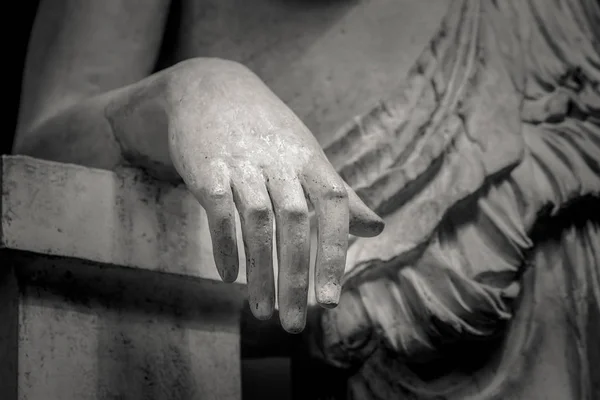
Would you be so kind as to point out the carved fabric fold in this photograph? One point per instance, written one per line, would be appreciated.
(496, 129)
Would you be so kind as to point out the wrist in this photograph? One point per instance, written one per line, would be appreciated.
(138, 120)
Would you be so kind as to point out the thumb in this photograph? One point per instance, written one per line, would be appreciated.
(363, 221)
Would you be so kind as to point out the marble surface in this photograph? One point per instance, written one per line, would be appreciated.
(100, 298)
(123, 218)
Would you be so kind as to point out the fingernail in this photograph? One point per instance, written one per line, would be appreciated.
(228, 270)
(262, 310)
(366, 229)
(378, 226)
(293, 321)
(328, 295)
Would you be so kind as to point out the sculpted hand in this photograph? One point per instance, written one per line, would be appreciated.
(246, 150)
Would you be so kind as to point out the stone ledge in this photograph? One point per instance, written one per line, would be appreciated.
(121, 218)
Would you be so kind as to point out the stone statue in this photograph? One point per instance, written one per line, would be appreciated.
(89, 97)
(494, 133)
(485, 283)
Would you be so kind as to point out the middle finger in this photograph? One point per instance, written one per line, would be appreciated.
(256, 216)
(293, 249)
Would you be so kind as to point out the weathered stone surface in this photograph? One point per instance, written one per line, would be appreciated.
(122, 218)
(105, 294)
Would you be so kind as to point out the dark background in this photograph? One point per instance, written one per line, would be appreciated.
(17, 25)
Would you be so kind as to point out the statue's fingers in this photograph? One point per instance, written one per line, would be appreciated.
(293, 249)
(363, 221)
(329, 197)
(217, 199)
(254, 205)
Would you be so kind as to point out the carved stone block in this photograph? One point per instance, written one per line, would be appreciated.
(108, 289)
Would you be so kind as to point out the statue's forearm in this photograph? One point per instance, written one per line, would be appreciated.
(79, 134)
(126, 125)
(73, 68)
(83, 133)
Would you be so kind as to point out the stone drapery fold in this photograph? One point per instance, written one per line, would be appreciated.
(496, 129)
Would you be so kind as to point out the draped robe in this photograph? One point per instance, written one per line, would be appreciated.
(485, 164)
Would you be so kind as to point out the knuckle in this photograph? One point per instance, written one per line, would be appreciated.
(336, 192)
(295, 213)
(217, 194)
(224, 227)
(259, 213)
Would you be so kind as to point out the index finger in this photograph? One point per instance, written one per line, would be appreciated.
(328, 195)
